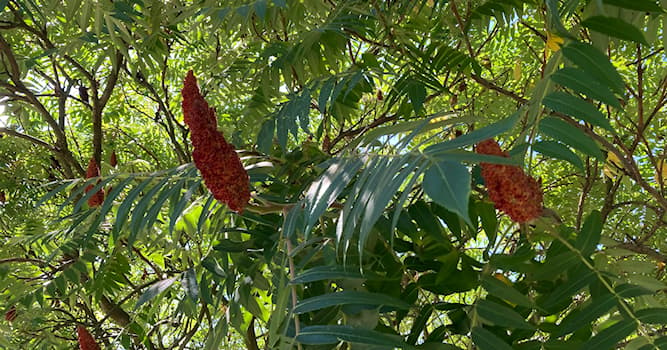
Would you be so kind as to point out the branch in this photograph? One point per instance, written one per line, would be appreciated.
(642, 249)
(353, 132)
(100, 102)
(61, 140)
(27, 260)
(490, 85)
(32, 139)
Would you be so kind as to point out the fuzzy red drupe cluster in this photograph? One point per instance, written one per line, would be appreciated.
(511, 190)
(86, 340)
(94, 171)
(217, 161)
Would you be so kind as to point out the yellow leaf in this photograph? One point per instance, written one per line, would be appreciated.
(517, 70)
(613, 166)
(661, 171)
(502, 278)
(554, 42)
(613, 159)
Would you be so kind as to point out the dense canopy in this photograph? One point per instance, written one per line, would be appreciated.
(343, 174)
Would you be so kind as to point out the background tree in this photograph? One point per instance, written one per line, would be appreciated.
(371, 222)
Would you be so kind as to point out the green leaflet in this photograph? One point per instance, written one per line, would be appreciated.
(656, 315)
(570, 135)
(501, 290)
(332, 272)
(557, 150)
(608, 337)
(486, 340)
(189, 283)
(473, 137)
(589, 237)
(500, 315)
(591, 60)
(580, 81)
(348, 297)
(333, 333)
(154, 290)
(594, 309)
(576, 107)
(615, 27)
(637, 5)
(448, 184)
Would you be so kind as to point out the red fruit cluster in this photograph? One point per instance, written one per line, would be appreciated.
(86, 340)
(216, 159)
(510, 189)
(10, 315)
(94, 171)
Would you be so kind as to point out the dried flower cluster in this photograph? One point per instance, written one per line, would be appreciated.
(94, 171)
(510, 189)
(216, 159)
(86, 340)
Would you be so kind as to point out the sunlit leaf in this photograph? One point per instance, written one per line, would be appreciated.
(155, 289)
(615, 27)
(448, 184)
(570, 135)
(576, 107)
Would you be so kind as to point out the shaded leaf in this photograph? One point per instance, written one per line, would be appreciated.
(486, 340)
(577, 279)
(419, 323)
(556, 265)
(608, 337)
(637, 5)
(346, 298)
(627, 290)
(321, 273)
(417, 94)
(501, 290)
(334, 333)
(499, 315)
(656, 315)
(592, 311)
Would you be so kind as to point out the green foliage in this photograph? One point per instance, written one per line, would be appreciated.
(370, 224)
